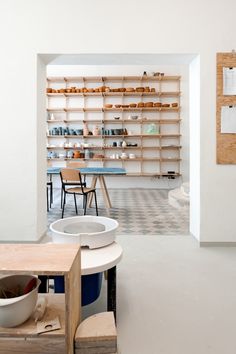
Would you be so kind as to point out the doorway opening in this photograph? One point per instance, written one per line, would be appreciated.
(142, 204)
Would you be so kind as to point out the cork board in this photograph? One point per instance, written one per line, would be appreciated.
(226, 143)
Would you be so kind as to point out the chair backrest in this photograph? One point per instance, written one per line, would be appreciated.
(75, 164)
(70, 175)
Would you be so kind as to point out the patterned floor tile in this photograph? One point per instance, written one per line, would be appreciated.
(138, 211)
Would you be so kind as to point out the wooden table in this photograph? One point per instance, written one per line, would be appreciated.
(98, 174)
(44, 260)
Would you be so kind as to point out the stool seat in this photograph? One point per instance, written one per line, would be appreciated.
(97, 335)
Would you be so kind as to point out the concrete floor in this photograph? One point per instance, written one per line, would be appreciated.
(174, 297)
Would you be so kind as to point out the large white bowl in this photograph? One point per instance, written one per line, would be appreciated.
(17, 310)
(91, 231)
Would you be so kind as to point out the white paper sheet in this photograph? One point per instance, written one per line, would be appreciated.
(229, 81)
(228, 119)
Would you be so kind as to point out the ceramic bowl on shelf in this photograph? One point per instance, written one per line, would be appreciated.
(124, 155)
(16, 310)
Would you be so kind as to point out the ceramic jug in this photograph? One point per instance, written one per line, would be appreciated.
(95, 130)
(85, 129)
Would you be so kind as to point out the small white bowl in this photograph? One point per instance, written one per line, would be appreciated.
(15, 311)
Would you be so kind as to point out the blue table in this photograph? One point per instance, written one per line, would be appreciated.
(91, 170)
(98, 173)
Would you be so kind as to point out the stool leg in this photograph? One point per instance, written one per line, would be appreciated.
(43, 287)
(111, 290)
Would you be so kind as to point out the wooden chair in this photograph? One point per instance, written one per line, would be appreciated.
(74, 164)
(72, 178)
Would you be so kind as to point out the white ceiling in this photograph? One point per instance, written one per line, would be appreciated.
(117, 59)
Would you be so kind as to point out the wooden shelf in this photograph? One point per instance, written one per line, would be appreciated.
(116, 121)
(55, 136)
(143, 109)
(167, 119)
(140, 121)
(71, 121)
(97, 109)
(117, 136)
(171, 147)
(117, 94)
(58, 110)
(115, 148)
(56, 148)
(55, 121)
(112, 78)
(170, 159)
(84, 148)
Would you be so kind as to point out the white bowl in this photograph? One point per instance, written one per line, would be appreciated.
(17, 310)
(91, 231)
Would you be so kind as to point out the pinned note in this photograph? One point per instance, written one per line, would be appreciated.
(229, 81)
(228, 119)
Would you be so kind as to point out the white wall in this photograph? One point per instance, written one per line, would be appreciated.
(194, 107)
(75, 26)
(125, 70)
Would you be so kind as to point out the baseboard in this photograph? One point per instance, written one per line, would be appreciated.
(44, 236)
(217, 244)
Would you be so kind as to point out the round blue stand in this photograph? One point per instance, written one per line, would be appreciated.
(90, 284)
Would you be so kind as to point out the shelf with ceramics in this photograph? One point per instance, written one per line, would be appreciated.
(97, 129)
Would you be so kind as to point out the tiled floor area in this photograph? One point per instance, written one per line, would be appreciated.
(138, 211)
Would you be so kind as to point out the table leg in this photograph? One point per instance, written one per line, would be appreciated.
(105, 192)
(111, 290)
(93, 185)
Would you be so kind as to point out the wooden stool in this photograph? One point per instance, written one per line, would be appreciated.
(97, 335)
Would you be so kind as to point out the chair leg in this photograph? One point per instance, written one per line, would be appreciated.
(51, 196)
(47, 201)
(63, 206)
(95, 200)
(76, 210)
(61, 196)
(85, 203)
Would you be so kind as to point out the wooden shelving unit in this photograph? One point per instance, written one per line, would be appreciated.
(155, 154)
(44, 259)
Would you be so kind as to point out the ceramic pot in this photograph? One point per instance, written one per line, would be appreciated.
(76, 154)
